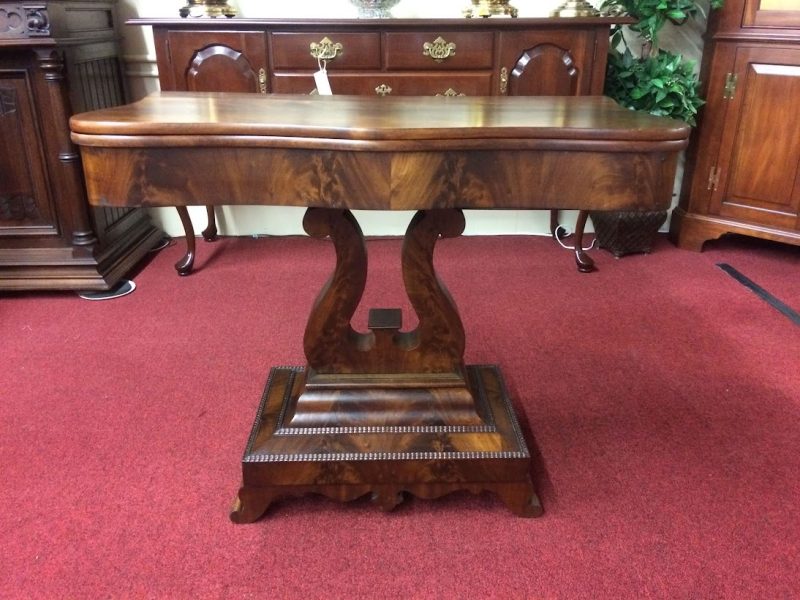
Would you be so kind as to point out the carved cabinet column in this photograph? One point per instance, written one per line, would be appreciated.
(62, 158)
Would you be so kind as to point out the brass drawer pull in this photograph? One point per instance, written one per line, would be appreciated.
(450, 92)
(325, 49)
(383, 90)
(262, 80)
(438, 49)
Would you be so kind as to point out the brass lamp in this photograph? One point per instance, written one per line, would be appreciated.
(207, 8)
(576, 8)
(487, 8)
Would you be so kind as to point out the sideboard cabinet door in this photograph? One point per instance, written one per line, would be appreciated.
(551, 63)
(231, 61)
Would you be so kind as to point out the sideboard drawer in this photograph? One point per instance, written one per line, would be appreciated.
(429, 50)
(395, 84)
(344, 50)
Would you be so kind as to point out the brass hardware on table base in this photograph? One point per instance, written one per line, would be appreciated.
(325, 49)
(503, 80)
(383, 90)
(262, 80)
(451, 93)
(207, 8)
(438, 49)
(575, 8)
(487, 8)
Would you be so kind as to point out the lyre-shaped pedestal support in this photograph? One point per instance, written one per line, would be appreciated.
(385, 411)
(435, 346)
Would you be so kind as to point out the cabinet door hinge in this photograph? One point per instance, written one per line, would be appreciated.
(713, 178)
(730, 86)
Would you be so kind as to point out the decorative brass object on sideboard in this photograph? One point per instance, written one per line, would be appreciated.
(374, 9)
(576, 8)
(207, 8)
(487, 8)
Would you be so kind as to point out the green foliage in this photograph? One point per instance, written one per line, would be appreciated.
(659, 82)
(662, 84)
(653, 14)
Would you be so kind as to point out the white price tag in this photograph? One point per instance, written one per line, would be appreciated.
(323, 85)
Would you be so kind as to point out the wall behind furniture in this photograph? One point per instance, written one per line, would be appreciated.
(140, 69)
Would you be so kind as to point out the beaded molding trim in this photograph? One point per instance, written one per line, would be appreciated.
(249, 457)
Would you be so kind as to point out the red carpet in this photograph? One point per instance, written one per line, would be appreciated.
(662, 395)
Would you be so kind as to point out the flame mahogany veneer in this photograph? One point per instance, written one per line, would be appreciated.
(386, 411)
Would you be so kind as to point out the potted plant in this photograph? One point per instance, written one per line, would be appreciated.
(643, 76)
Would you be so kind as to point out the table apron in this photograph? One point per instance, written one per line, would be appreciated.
(469, 179)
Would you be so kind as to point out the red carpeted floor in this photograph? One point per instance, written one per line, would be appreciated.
(660, 397)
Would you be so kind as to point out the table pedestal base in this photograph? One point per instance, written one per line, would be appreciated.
(354, 454)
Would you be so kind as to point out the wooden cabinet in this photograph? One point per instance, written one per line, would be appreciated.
(56, 56)
(743, 171)
(385, 56)
(381, 57)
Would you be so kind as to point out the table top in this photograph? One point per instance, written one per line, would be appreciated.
(356, 152)
(368, 123)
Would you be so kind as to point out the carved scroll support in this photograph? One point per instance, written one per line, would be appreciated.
(436, 345)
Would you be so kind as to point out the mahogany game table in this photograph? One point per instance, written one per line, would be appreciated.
(384, 411)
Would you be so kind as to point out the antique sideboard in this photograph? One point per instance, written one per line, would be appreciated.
(382, 57)
(56, 57)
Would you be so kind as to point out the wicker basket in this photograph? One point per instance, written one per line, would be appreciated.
(623, 232)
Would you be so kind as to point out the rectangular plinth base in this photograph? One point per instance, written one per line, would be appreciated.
(428, 458)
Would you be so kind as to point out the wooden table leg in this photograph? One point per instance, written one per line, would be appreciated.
(184, 265)
(385, 411)
(584, 262)
(210, 232)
